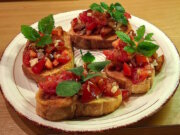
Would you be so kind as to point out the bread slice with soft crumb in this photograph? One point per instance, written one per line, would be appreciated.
(93, 41)
(57, 70)
(98, 107)
(57, 108)
(126, 83)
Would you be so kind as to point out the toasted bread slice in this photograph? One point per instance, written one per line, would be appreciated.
(56, 108)
(126, 83)
(93, 41)
(40, 77)
(99, 107)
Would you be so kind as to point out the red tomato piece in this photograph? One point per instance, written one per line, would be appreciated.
(126, 69)
(139, 75)
(141, 59)
(90, 91)
(127, 15)
(38, 68)
(109, 54)
(90, 26)
(50, 48)
(26, 58)
(63, 59)
(57, 32)
(48, 86)
(125, 94)
(74, 22)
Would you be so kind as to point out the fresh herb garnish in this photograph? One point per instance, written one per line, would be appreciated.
(91, 75)
(115, 10)
(77, 71)
(97, 66)
(144, 46)
(88, 57)
(140, 33)
(45, 26)
(68, 88)
(45, 40)
(30, 33)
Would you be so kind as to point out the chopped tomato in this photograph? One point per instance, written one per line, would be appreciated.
(49, 86)
(50, 48)
(90, 26)
(67, 75)
(125, 94)
(126, 69)
(33, 54)
(127, 15)
(26, 58)
(58, 32)
(90, 91)
(74, 22)
(141, 59)
(109, 54)
(63, 59)
(139, 75)
(38, 68)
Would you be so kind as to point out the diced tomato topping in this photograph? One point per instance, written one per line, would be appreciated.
(49, 85)
(125, 94)
(50, 48)
(109, 54)
(139, 75)
(118, 44)
(127, 15)
(38, 68)
(74, 22)
(90, 91)
(141, 59)
(126, 69)
(58, 32)
(63, 59)
(90, 26)
(33, 54)
(26, 58)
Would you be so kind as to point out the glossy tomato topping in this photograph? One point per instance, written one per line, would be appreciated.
(26, 58)
(38, 68)
(49, 85)
(126, 69)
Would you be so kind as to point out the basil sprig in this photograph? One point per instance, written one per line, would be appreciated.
(115, 10)
(70, 88)
(87, 57)
(145, 46)
(45, 26)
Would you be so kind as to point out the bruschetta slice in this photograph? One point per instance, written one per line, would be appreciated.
(94, 29)
(97, 96)
(47, 51)
(134, 62)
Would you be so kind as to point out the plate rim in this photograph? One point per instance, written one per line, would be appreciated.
(108, 128)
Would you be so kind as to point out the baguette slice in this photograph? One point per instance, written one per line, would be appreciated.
(99, 107)
(41, 77)
(126, 83)
(56, 109)
(93, 41)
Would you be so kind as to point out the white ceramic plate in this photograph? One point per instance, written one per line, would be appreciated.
(20, 91)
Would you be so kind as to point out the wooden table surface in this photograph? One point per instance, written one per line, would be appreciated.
(165, 14)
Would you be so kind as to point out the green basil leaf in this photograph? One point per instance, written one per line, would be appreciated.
(98, 66)
(124, 37)
(96, 7)
(78, 70)
(45, 40)
(119, 7)
(129, 49)
(68, 88)
(119, 17)
(29, 33)
(46, 24)
(89, 76)
(140, 33)
(149, 37)
(111, 8)
(147, 48)
(104, 5)
(88, 57)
